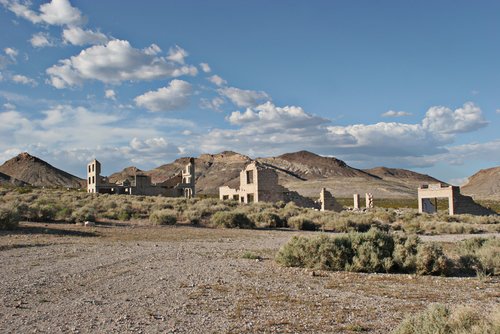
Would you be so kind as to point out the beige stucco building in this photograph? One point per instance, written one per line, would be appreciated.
(457, 203)
(260, 184)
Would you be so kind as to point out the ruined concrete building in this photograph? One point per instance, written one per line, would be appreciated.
(260, 184)
(457, 203)
(180, 185)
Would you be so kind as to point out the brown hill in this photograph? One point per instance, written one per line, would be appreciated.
(37, 172)
(485, 184)
(126, 173)
(8, 180)
(302, 171)
(309, 166)
(212, 171)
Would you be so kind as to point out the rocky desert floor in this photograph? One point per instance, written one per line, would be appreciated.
(59, 278)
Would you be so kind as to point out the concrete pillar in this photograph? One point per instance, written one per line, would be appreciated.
(356, 201)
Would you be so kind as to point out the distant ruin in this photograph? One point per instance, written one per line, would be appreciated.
(180, 185)
(457, 203)
(368, 201)
(260, 184)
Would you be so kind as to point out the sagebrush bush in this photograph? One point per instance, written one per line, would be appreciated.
(431, 260)
(9, 218)
(85, 213)
(231, 220)
(373, 251)
(302, 222)
(438, 318)
(163, 217)
(266, 219)
(480, 255)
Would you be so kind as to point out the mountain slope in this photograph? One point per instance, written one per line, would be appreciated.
(8, 180)
(485, 184)
(37, 172)
(309, 166)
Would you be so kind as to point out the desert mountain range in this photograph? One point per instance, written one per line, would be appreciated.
(301, 171)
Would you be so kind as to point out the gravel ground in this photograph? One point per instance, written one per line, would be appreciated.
(67, 279)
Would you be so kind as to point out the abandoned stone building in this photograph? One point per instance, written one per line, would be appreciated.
(260, 184)
(180, 185)
(457, 203)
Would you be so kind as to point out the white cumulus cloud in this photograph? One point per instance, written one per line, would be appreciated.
(205, 67)
(242, 97)
(446, 121)
(79, 36)
(12, 53)
(393, 113)
(41, 40)
(56, 12)
(177, 54)
(174, 96)
(217, 80)
(110, 94)
(213, 104)
(114, 62)
(21, 79)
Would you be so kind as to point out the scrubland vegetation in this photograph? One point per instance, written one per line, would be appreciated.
(438, 318)
(45, 205)
(384, 252)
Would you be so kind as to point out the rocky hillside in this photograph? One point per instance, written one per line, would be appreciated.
(303, 171)
(34, 171)
(8, 180)
(212, 171)
(485, 184)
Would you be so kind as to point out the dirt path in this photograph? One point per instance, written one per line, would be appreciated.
(63, 278)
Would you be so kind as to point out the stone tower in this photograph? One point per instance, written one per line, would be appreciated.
(93, 176)
(188, 179)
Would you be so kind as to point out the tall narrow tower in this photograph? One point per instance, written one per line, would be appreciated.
(93, 176)
(188, 179)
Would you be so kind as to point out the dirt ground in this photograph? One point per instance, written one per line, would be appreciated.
(57, 278)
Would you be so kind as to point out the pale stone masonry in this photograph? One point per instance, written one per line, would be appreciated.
(356, 201)
(457, 203)
(180, 185)
(260, 184)
(369, 200)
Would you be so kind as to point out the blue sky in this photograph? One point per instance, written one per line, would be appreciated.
(395, 83)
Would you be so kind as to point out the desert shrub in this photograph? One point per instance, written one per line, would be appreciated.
(372, 251)
(431, 260)
(163, 217)
(302, 222)
(85, 213)
(232, 219)
(266, 219)
(319, 253)
(480, 255)
(439, 318)
(405, 253)
(250, 256)
(9, 218)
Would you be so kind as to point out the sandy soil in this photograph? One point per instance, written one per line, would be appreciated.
(64, 278)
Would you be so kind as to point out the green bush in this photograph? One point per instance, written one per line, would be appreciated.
(439, 318)
(85, 213)
(480, 255)
(431, 260)
(302, 222)
(373, 251)
(266, 219)
(9, 218)
(231, 220)
(163, 217)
